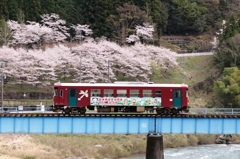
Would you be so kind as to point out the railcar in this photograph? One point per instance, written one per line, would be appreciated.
(120, 97)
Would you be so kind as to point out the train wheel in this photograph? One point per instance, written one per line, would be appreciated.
(166, 111)
(160, 111)
(185, 110)
(174, 111)
(67, 110)
(56, 110)
(82, 111)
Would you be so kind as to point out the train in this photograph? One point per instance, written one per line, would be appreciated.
(120, 96)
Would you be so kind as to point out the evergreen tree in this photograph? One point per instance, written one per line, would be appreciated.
(228, 52)
(32, 10)
(183, 16)
(47, 7)
(3, 10)
(66, 10)
(13, 9)
(95, 13)
(159, 14)
(5, 32)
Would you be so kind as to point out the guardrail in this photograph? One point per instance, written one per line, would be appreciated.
(16, 109)
(214, 110)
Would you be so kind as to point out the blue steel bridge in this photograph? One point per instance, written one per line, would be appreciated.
(47, 123)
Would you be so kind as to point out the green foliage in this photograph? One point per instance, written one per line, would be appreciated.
(12, 6)
(3, 9)
(32, 9)
(175, 16)
(227, 90)
(186, 16)
(29, 157)
(5, 33)
(156, 72)
(125, 21)
(228, 52)
(231, 28)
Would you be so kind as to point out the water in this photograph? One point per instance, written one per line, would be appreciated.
(218, 151)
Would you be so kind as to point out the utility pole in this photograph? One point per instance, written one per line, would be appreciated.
(3, 76)
(80, 80)
(80, 56)
(109, 65)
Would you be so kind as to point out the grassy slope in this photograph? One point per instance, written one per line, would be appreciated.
(191, 70)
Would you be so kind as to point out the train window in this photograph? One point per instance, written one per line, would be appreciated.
(95, 92)
(61, 92)
(177, 94)
(158, 93)
(108, 92)
(121, 93)
(134, 93)
(147, 93)
(187, 92)
(72, 92)
(55, 91)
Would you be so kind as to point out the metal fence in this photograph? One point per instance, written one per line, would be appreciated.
(38, 108)
(214, 110)
(9, 103)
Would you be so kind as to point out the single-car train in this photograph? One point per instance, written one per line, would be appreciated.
(120, 97)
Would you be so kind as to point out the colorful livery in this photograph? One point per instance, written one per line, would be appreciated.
(120, 97)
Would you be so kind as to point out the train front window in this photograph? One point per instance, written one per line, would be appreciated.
(134, 93)
(55, 91)
(158, 93)
(108, 93)
(61, 92)
(177, 94)
(147, 93)
(121, 93)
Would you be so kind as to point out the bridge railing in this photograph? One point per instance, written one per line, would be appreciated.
(16, 109)
(214, 110)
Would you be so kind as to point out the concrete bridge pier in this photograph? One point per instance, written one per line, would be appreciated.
(154, 148)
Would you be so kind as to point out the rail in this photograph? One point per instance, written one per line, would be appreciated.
(43, 108)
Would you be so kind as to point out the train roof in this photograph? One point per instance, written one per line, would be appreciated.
(121, 84)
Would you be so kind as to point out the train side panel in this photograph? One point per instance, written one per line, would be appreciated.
(83, 97)
(167, 98)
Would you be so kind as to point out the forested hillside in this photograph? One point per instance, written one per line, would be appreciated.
(116, 19)
(104, 40)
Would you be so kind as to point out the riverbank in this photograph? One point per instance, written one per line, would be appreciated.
(51, 146)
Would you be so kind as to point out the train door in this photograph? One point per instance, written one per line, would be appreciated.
(177, 98)
(72, 97)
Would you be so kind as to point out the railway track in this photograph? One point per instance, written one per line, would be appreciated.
(120, 115)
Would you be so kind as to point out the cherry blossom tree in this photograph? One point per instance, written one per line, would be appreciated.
(38, 67)
(28, 34)
(86, 61)
(144, 32)
(59, 30)
(81, 31)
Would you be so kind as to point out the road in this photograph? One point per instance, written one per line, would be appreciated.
(195, 54)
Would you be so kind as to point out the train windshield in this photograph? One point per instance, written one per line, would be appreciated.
(55, 91)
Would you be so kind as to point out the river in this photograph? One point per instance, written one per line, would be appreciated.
(215, 151)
